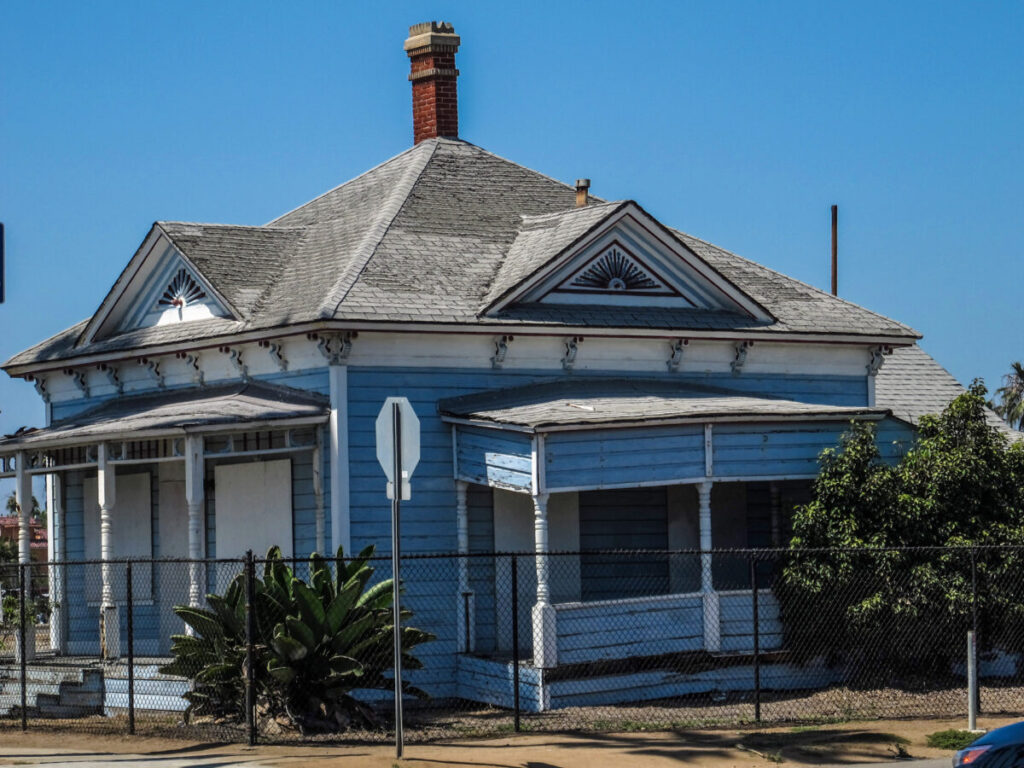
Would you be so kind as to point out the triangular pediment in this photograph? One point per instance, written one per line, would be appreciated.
(624, 258)
(160, 286)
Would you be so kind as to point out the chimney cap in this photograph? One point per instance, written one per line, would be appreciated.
(430, 33)
(582, 183)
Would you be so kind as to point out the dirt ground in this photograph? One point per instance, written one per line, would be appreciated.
(847, 743)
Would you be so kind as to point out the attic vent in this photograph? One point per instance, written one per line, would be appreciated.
(181, 291)
(614, 271)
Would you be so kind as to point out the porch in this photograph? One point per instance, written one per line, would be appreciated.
(171, 480)
(621, 489)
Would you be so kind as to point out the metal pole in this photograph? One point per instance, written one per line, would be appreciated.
(835, 250)
(515, 639)
(757, 641)
(129, 616)
(465, 613)
(250, 694)
(24, 651)
(972, 683)
(396, 504)
(974, 615)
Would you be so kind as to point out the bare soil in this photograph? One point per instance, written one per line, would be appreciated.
(844, 743)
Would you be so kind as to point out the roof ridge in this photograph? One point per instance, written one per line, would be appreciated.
(496, 156)
(367, 172)
(260, 227)
(536, 217)
(375, 233)
(791, 279)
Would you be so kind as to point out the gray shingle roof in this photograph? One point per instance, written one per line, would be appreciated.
(599, 401)
(430, 236)
(176, 412)
(912, 384)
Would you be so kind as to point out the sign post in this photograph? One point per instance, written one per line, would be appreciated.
(398, 451)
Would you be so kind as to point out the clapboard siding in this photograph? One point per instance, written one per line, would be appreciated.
(492, 682)
(736, 612)
(496, 458)
(608, 457)
(752, 450)
(626, 628)
(626, 518)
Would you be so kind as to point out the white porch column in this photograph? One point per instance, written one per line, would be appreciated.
(195, 496)
(318, 491)
(55, 537)
(712, 623)
(545, 637)
(106, 490)
(466, 608)
(338, 424)
(23, 497)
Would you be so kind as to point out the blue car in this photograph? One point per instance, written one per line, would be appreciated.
(1001, 748)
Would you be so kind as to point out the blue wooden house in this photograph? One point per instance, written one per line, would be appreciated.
(586, 376)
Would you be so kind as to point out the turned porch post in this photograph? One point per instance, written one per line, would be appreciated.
(465, 608)
(55, 536)
(545, 648)
(712, 624)
(23, 497)
(106, 491)
(195, 496)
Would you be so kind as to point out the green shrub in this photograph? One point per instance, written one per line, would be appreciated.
(314, 643)
(951, 739)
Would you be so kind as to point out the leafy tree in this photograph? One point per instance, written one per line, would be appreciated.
(1011, 397)
(313, 644)
(962, 483)
(36, 512)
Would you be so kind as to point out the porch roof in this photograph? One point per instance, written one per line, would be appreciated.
(580, 402)
(178, 412)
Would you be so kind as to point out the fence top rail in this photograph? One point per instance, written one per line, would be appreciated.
(766, 553)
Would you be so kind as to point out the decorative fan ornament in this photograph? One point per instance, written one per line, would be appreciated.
(614, 271)
(181, 291)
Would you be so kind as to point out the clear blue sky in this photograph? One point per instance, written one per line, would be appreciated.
(739, 122)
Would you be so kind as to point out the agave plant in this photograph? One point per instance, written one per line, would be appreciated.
(313, 644)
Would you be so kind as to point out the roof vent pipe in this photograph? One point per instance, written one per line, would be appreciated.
(582, 192)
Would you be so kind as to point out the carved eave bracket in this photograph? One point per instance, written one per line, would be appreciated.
(571, 349)
(153, 369)
(335, 347)
(740, 356)
(113, 376)
(39, 382)
(275, 348)
(79, 380)
(501, 350)
(192, 363)
(235, 356)
(878, 355)
(675, 358)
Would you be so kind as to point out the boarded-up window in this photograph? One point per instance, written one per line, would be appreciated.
(131, 533)
(253, 508)
(626, 518)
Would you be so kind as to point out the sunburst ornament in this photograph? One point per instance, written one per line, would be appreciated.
(181, 291)
(614, 271)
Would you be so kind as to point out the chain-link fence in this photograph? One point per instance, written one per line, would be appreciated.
(280, 649)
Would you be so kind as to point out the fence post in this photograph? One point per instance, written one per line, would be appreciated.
(974, 619)
(972, 683)
(130, 618)
(24, 650)
(515, 641)
(250, 698)
(757, 640)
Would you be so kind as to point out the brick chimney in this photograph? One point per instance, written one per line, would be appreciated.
(435, 103)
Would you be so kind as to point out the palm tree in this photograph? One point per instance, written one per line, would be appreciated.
(1011, 397)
